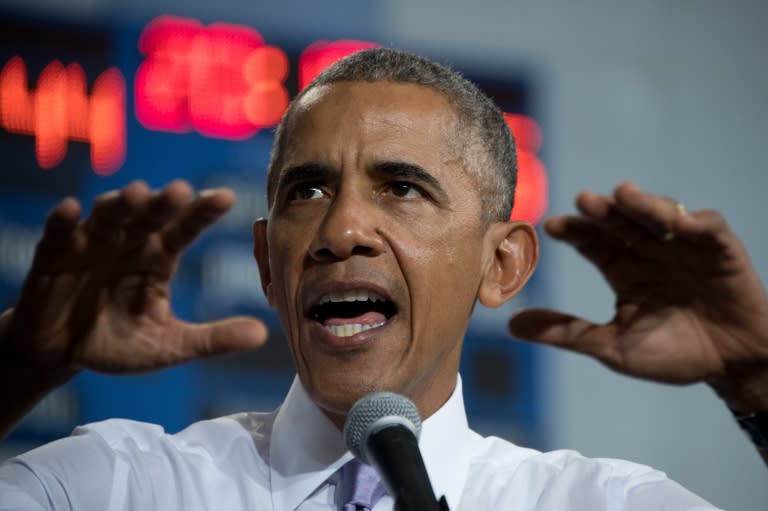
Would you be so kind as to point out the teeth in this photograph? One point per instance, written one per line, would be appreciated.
(353, 295)
(351, 329)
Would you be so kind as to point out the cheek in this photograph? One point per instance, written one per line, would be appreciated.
(449, 274)
(286, 257)
(458, 252)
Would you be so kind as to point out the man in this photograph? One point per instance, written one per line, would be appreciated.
(389, 191)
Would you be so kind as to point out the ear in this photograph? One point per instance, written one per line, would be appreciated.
(261, 253)
(511, 252)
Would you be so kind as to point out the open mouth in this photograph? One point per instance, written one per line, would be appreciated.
(348, 313)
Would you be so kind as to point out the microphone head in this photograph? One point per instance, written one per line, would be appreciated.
(375, 412)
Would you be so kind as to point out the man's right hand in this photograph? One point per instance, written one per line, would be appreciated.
(97, 294)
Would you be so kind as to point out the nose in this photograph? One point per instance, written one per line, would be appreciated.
(348, 228)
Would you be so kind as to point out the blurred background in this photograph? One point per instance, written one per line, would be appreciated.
(96, 93)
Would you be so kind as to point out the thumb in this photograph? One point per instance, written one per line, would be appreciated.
(555, 328)
(227, 335)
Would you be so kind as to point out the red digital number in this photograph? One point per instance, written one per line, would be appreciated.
(59, 110)
(322, 54)
(532, 183)
(221, 80)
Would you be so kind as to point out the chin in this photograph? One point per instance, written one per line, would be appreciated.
(337, 398)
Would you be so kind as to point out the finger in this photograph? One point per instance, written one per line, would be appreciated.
(604, 211)
(662, 216)
(58, 231)
(705, 225)
(588, 237)
(712, 239)
(565, 331)
(61, 222)
(161, 208)
(224, 336)
(201, 213)
(571, 229)
(114, 209)
(670, 220)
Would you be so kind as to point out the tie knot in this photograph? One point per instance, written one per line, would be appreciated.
(361, 486)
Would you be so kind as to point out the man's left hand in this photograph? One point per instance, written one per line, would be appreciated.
(689, 305)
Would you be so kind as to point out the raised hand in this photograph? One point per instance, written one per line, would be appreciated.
(689, 305)
(97, 294)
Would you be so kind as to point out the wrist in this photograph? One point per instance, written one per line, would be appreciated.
(25, 367)
(755, 426)
(745, 393)
(747, 399)
(29, 382)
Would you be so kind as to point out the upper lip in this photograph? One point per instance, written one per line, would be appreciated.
(313, 294)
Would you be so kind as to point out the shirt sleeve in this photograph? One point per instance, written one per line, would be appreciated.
(655, 491)
(73, 473)
(118, 465)
(566, 480)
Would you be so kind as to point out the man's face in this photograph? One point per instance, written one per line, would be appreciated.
(375, 244)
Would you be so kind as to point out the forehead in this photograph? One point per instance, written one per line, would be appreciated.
(372, 116)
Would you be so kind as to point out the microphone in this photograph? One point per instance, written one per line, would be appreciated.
(382, 430)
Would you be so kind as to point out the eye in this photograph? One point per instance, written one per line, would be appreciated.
(307, 191)
(405, 190)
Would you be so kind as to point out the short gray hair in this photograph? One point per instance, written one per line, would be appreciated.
(488, 148)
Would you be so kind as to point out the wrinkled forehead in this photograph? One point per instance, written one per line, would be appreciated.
(411, 110)
(404, 108)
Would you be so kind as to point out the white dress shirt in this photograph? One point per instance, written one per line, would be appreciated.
(288, 460)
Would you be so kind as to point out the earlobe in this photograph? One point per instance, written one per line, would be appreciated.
(261, 253)
(512, 255)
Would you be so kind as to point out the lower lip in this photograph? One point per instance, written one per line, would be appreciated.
(353, 342)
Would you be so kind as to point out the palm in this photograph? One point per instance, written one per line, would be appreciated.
(121, 320)
(98, 293)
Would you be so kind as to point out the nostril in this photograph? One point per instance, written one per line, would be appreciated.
(331, 243)
(329, 254)
(361, 250)
(324, 253)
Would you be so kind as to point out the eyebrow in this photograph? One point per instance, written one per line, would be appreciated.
(410, 172)
(301, 173)
(313, 171)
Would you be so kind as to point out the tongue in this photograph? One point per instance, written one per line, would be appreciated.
(368, 318)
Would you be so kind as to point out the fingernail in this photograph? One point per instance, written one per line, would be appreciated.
(207, 192)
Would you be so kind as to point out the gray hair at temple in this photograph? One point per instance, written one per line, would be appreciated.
(485, 141)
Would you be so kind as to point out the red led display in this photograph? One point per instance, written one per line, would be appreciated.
(532, 183)
(60, 110)
(222, 80)
(323, 54)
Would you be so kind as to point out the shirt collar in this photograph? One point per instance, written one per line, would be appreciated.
(445, 445)
(307, 449)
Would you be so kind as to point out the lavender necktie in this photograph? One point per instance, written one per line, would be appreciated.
(361, 487)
